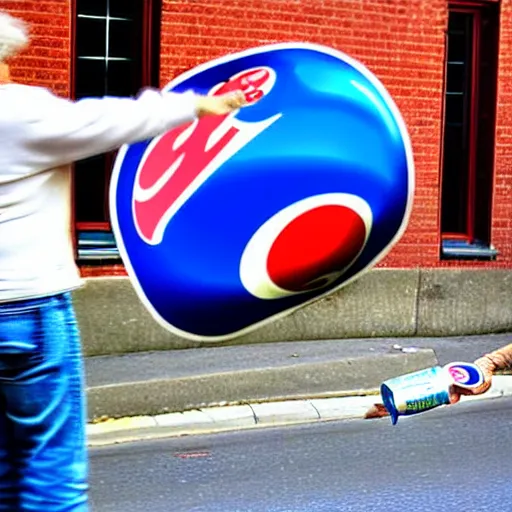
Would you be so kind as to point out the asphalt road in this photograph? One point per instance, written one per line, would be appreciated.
(456, 458)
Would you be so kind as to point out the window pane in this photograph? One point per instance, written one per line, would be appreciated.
(456, 49)
(457, 21)
(92, 7)
(123, 78)
(455, 108)
(122, 39)
(91, 37)
(455, 185)
(90, 78)
(456, 78)
(124, 8)
(98, 76)
(460, 34)
(90, 181)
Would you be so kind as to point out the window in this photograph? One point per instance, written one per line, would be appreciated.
(469, 130)
(116, 53)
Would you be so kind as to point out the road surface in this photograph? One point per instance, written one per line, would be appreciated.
(456, 458)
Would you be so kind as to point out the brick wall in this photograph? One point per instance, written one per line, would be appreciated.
(402, 42)
(502, 210)
(47, 61)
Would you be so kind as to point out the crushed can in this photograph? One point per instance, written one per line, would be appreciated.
(426, 389)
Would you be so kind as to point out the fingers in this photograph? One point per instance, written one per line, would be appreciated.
(220, 105)
(235, 100)
(454, 397)
(483, 388)
(376, 411)
(456, 392)
(487, 367)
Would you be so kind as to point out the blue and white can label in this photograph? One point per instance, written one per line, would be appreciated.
(416, 392)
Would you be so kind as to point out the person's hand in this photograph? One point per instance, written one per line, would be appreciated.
(220, 105)
(487, 365)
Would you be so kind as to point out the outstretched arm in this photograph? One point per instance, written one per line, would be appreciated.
(45, 131)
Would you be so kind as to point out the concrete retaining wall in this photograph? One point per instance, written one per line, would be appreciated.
(382, 303)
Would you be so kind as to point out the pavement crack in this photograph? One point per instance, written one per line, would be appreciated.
(253, 414)
(317, 411)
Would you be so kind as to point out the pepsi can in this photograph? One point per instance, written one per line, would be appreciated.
(427, 389)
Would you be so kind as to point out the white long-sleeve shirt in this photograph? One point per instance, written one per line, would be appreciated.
(40, 135)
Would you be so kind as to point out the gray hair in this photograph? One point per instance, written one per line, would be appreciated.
(13, 35)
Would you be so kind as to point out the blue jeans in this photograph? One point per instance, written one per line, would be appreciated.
(43, 459)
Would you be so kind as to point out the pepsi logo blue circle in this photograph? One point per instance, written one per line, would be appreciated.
(230, 222)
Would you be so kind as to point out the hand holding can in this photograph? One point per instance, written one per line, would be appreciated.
(424, 390)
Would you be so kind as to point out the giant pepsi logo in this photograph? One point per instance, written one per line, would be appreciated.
(230, 222)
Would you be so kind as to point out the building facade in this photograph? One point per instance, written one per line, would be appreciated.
(446, 63)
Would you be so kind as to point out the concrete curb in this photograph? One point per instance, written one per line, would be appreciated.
(151, 384)
(221, 419)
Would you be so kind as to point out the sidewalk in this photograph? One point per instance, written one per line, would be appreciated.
(213, 389)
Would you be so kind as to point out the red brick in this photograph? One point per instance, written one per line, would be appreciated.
(47, 61)
(402, 42)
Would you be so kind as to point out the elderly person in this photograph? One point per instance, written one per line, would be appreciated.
(43, 462)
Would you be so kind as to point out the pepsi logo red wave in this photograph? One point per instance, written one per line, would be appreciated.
(177, 163)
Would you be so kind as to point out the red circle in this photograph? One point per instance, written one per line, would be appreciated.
(317, 243)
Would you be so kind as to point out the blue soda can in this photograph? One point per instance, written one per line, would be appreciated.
(426, 389)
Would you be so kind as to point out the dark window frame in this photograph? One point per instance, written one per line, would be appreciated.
(103, 250)
(473, 240)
